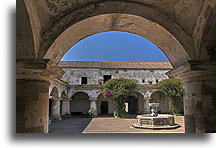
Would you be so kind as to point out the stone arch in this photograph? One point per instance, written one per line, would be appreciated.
(118, 16)
(148, 93)
(140, 26)
(138, 102)
(138, 94)
(160, 97)
(100, 99)
(25, 46)
(63, 95)
(80, 103)
(54, 93)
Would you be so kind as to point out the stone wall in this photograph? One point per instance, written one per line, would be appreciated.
(93, 75)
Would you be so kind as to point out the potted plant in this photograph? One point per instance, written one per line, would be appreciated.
(67, 81)
(150, 81)
(90, 112)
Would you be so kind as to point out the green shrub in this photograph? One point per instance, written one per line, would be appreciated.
(174, 90)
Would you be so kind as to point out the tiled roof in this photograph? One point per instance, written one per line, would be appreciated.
(115, 65)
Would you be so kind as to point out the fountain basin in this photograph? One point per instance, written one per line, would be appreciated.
(162, 121)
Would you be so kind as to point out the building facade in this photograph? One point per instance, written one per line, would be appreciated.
(80, 87)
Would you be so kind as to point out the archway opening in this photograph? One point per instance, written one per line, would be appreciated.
(104, 107)
(52, 101)
(54, 92)
(80, 104)
(63, 105)
(160, 97)
(141, 26)
(132, 103)
(115, 46)
(135, 106)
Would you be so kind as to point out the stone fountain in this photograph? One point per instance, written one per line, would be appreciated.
(154, 120)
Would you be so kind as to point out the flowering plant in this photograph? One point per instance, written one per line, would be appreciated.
(118, 89)
(100, 81)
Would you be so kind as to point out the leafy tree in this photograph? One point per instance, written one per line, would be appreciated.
(174, 90)
(118, 89)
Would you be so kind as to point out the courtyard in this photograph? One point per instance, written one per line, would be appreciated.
(106, 125)
(46, 89)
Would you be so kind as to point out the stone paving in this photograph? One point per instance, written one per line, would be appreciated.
(106, 125)
(69, 126)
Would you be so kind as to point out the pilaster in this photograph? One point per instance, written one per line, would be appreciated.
(198, 79)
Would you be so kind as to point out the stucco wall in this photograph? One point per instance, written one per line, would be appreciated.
(74, 75)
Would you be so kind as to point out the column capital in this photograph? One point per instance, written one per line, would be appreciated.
(37, 70)
(146, 99)
(66, 99)
(194, 68)
(54, 98)
(93, 99)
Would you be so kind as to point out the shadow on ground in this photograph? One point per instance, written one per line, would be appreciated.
(70, 126)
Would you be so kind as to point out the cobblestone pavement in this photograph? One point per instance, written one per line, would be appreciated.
(106, 125)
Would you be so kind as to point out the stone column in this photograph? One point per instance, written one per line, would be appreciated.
(68, 107)
(146, 108)
(65, 110)
(199, 81)
(55, 109)
(62, 107)
(32, 98)
(93, 105)
(32, 106)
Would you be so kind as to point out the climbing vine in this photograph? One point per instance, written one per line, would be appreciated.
(118, 89)
(174, 90)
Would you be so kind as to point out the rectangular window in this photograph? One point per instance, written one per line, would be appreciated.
(143, 80)
(84, 80)
(156, 80)
(107, 77)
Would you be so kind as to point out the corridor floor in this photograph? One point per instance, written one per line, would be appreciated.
(106, 125)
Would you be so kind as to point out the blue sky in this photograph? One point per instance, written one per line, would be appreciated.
(115, 46)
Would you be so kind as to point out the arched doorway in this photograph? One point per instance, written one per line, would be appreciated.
(54, 92)
(160, 97)
(132, 104)
(53, 95)
(62, 103)
(104, 107)
(80, 104)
